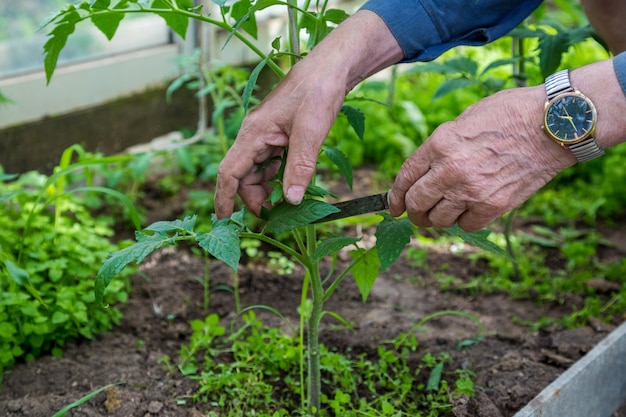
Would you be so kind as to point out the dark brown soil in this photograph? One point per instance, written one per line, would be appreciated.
(512, 363)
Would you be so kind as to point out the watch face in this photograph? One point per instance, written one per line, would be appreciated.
(570, 118)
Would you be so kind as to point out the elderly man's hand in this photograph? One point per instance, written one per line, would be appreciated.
(300, 112)
(486, 162)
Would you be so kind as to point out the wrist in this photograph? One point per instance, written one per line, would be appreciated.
(359, 47)
(599, 82)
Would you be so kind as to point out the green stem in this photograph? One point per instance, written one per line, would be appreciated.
(317, 310)
(236, 292)
(331, 289)
(206, 283)
(278, 245)
(508, 231)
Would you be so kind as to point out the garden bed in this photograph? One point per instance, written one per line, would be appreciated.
(512, 364)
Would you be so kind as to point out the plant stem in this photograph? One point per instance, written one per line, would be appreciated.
(206, 284)
(236, 292)
(317, 294)
(508, 230)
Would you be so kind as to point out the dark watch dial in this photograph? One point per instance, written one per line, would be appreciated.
(570, 118)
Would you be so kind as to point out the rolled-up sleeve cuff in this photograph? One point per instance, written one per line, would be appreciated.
(425, 29)
(619, 63)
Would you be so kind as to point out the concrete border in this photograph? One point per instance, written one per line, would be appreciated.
(595, 386)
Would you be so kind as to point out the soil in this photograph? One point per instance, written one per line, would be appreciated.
(512, 363)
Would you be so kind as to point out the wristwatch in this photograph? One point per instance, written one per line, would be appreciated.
(570, 117)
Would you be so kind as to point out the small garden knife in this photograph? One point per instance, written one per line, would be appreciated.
(361, 205)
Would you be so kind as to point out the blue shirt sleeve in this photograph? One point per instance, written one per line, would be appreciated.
(619, 63)
(427, 28)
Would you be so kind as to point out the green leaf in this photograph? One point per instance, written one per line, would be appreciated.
(7, 330)
(146, 244)
(59, 317)
(336, 15)
(62, 412)
(551, 49)
(178, 23)
(453, 84)
(107, 22)
(365, 270)
(285, 217)
(277, 192)
(185, 225)
(19, 275)
(341, 161)
(316, 191)
(355, 118)
(65, 24)
(478, 239)
(392, 235)
(332, 245)
(244, 14)
(463, 65)
(254, 75)
(437, 67)
(435, 378)
(223, 243)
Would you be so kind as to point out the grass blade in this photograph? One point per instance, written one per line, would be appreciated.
(61, 412)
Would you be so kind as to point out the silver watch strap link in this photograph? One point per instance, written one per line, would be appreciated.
(559, 83)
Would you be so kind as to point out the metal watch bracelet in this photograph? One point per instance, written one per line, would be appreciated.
(559, 83)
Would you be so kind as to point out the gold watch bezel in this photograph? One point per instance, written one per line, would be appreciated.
(589, 133)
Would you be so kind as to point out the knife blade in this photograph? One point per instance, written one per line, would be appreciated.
(361, 205)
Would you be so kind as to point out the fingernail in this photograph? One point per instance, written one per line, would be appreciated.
(295, 194)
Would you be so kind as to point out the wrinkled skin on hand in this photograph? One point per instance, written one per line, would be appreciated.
(489, 160)
(291, 116)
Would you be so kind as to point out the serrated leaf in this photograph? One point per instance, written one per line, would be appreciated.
(365, 270)
(551, 49)
(316, 191)
(100, 4)
(355, 118)
(336, 15)
(463, 65)
(63, 28)
(332, 245)
(277, 192)
(222, 243)
(107, 23)
(453, 84)
(285, 217)
(263, 4)
(478, 239)
(145, 245)
(187, 225)
(341, 161)
(178, 23)
(392, 235)
(238, 216)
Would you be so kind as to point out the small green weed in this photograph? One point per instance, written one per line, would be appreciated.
(50, 246)
(255, 371)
